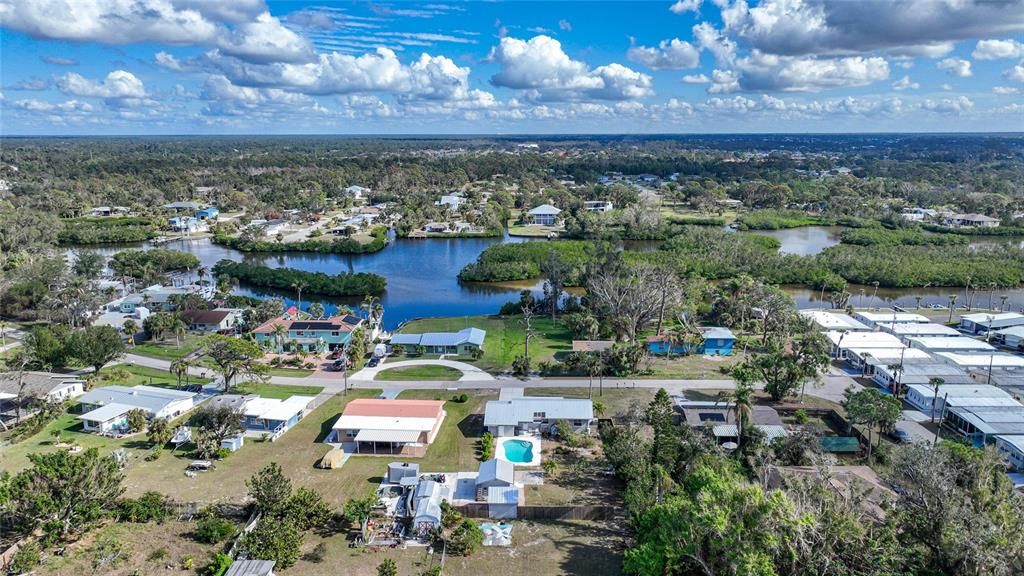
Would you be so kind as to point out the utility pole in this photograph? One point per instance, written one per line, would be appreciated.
(941, 416)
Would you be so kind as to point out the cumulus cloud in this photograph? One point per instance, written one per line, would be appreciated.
(794, 108)
(715, 41)
(956, 67)
(819, 27)
(674, 54)
(33, 105)
(542, 68)
(696, 79)
(34, 83)
(724, 82)
(905, 84)
(1006, 91)
(998, 49)
(768, 72)
(957, 105)
(242, 28)
(117, 84)
(683, 6)
(1016, 73)
(565, 25)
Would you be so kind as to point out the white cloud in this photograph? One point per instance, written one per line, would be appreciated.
(33, 105)
(683, 6)
(565, 25)
(34, 83)
(674, 54)
(768, 72)
(947, 87)
(169, 61)
(695, 79)
(957, 105)
(60, 61)
(1006, 91)
(713, 40)
(724, 82)
(956, 67)
(117, 84)
(542, 68)
(848, 106)
(241, 28)
(822, 27)
(905, 84)
(998, 49)
(1016, 73)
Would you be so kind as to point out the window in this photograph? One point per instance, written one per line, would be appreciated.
(300, 332)
(577, 423)
(350, 434)
(335, 333)
(541, 415)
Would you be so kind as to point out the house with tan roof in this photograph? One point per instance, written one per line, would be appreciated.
(377, 426)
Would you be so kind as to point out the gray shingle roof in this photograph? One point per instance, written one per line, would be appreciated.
(465, 336)
(145, 397)
(512, 412)
(37, 384)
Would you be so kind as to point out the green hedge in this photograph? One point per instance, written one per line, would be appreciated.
(908, 237)
(108, 230)
(522, 261)
(358, 284)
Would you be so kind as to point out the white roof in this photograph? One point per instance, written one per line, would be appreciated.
(512, 412)
(384, 423)
(917, 329)
(274, 409)
(108, 412)
(834, 321)
(404, 436)
(148, 398)
(1015, 440)
(942, 343)
(961, 391)
(1017, 331)
(850, 340)
(879, 356)
(545, 209)
(902, 317)
(997, 360)
(983, 318)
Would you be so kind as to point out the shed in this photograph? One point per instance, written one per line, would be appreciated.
(495, 473)
(251, 568)
(233, 443)
(399, 470)
(503, 502)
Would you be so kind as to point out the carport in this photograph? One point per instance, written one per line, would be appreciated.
(389, 437)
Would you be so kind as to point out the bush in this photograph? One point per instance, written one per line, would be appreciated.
(800, 416)
(486, 444)
(158, 555)
(151, 506)
(217, 566)
(212, 529)
(354, 284)
(222, 453)
(25, 559)
(460, 398)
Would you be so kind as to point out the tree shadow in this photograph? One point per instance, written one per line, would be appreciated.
(325, 429)
(472, 426)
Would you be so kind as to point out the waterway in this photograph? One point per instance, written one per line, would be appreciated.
(422, 275)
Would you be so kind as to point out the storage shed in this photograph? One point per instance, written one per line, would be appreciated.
(495, 473)
(503, 502)
(399, 470)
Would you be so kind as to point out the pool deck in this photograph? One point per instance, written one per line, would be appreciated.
(499, 451)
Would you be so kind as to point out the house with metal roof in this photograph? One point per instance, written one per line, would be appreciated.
(715, 341)
(1011, 446)
(463, 342)
(315, 336)
(106, 409)
(532, 414)
(982, 361)
(380, 426)
(183, 206)
(906, 330)
(273, 416)
(494, 473)
(981, 323)
(932, 403)
(1012, 337)
(950, 344)
(251, 568)
(920, 373)
(725, 433)
(981, 423)
(872, 319)
(544, 215)
(826, 320)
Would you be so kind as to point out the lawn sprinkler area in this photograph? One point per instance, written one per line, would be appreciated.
(519, 450)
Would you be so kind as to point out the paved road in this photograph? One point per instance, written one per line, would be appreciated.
(831, 387)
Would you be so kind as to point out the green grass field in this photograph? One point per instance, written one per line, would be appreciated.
(132, 375)
(505, 338)
(419, 373)
(168, 350)
(279, 391)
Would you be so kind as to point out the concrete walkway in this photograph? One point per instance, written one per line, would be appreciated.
(469, 372)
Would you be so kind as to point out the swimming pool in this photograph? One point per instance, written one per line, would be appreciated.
(518, 451)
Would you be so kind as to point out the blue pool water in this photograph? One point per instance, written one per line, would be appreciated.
(518, 451)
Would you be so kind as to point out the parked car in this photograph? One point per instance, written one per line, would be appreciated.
(373, 362)
(334, 355)
(903, 436)
(338, 365)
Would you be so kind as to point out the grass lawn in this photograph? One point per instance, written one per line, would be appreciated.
(419, 373)
(617, 401)
(505, 337)
(533, 231)
(168, 350)
(279, 391)
(142, 545)
(297, 452)
(694, 367)
(575, 548)
(15, 456)
(132, 375)
(289, 372)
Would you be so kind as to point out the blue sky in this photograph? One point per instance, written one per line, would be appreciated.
(258, 67)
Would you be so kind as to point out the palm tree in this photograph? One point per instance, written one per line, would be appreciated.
(952, 305)
(874, 294)
(298, 285)
(316, 310)
(130, 329)
(896, 370)
(599, 408)
(280, 333)
(179, 367)
(935, 383)
(741, 398)
(178, 326)
(201, 272)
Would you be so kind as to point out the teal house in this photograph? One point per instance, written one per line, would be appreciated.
(717, 341)
(315, 336)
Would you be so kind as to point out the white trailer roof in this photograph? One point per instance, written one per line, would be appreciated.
(834, 321)
(848, 340)
(967, 360)
(908, 329)
(951, 344)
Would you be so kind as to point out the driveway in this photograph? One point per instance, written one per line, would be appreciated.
(469, 372)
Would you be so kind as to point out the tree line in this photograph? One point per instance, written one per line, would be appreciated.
(344, 284)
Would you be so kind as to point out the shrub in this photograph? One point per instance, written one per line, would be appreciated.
(217, 566)
(188, 562)
(212, 529)
(158, 554)
(222, 453)
(151, 506)
(25, 559)
(486, 443)
(461, 398)
(800, 416)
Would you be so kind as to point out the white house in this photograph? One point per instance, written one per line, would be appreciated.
(981, 323)
(216, 320)
(914, 329)
(949, 344)
(1011, 446)
(983, 422)
(452, 201)
(920, 373)
(970, 221)
(834, 321)
(544, 215)
(924, 397)
(874, 318)
(46, 386)
(994, 360)
(532, 414)
(598, 205)
(1010, 337)
(870, 359)
(106, 409)
(844, 341)
(356, 192)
